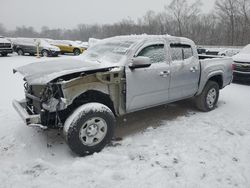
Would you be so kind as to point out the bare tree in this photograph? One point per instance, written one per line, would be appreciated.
(182, 12)
(227, 10)
(227, 24)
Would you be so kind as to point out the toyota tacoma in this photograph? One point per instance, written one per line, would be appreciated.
(119, 75)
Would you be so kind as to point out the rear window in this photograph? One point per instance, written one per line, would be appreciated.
(180, 52)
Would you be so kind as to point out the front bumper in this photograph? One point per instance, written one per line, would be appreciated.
(54, 53)
(31, 120)
(241, 76)
(6, 50)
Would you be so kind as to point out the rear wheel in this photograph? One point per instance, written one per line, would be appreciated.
(20, 52)
(208, 99)
(89, 128)
(77, 52)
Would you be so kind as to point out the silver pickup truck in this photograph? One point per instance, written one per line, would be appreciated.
(117, 76)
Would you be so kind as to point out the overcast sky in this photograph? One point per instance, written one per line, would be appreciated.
(70, 13)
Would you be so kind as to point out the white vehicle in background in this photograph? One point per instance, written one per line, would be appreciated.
(23, 46)
(229, 52)
(242, 65)
(93, 41)
(82, 44)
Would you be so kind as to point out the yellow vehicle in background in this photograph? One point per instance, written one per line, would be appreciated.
(67, 46)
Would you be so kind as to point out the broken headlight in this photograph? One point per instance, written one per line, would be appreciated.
(52, 99)
(47, 94)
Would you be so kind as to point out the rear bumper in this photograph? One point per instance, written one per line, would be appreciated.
(31, 120)
(241, 76)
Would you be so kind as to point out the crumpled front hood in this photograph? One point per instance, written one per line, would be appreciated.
(45, 71)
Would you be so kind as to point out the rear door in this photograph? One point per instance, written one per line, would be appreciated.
(185, 71)
(148, 87)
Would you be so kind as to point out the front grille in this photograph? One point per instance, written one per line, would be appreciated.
(242, 67)
(5, 45)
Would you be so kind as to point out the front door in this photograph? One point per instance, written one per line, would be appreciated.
(148, 87)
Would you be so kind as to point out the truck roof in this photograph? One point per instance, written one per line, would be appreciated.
(143, 37)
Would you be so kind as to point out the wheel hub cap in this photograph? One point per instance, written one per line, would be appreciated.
(211, 97)
(93, 131)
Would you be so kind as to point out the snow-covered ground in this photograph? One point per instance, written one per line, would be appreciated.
(170, 146)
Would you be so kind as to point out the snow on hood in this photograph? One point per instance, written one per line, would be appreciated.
(43, 72)
(4, 40)
(242, 57)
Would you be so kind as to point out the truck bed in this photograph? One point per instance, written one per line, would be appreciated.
(215, 65)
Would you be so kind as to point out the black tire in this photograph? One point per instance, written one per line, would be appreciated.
(94, 117)
(20, 51)
(4, 54)
(208, 99)
(77, 52)
(45, 53)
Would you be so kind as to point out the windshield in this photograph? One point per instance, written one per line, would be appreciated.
(108, 51)
(246, 50)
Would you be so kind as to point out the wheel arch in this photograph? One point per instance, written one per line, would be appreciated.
(94, 96)
(216, 77)
(76, 48)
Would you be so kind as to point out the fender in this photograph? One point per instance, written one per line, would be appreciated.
(205, 78)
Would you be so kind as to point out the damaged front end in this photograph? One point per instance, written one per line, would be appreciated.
(42, 106)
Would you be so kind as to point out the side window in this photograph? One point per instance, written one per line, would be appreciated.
(176, 53)
(188, 52)
(156, 53)
(180, 52)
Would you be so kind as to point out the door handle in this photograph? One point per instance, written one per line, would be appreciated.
(165, 74)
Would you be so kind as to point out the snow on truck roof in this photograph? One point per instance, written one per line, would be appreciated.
(138, 38)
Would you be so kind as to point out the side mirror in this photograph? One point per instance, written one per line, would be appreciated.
(140, 62)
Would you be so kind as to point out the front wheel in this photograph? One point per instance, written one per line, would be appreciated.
(89, 128)
(45, 53)
(208, 99)
(20, 52)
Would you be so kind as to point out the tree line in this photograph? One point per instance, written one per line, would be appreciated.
(227, 24)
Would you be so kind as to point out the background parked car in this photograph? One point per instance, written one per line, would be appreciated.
(201, 50)
(212, 51)
(242, 65)
(5, 46)
(67, 46)
(229, 52)
(29, 45)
